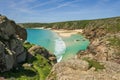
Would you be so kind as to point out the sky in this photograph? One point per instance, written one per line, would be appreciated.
(46, 11)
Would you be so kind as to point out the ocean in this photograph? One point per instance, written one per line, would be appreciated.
(63, 48)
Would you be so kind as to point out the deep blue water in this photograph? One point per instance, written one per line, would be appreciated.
(63, 48)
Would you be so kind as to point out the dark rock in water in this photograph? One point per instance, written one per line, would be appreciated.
(77, 40)
(12, 51)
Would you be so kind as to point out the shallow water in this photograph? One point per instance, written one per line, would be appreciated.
(63, 48)
(74, 44)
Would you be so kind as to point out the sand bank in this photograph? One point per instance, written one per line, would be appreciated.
(67, 33)
(63, 32)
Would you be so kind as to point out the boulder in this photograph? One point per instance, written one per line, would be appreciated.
(12, 51)
(42, 51)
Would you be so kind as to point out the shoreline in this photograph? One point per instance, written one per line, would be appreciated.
(67, 33)
(63, 32)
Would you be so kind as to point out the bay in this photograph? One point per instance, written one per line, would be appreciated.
(63, 48)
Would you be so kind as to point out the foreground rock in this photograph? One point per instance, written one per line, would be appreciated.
(34, 50)
(76, 69)
(21, 32)
(12, 51)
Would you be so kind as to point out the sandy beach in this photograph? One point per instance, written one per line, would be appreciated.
(67, 33)
(63, 32)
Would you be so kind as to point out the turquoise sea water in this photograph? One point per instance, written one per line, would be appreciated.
(63, 48)
(74, 44)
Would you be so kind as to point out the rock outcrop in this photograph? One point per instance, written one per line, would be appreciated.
(34, 50)
(21, 32)
(77, 69)
(12, 51)
(104, 42)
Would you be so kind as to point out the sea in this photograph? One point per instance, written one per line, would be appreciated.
(63, 48)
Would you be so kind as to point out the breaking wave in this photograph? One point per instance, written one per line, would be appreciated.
(60, 48)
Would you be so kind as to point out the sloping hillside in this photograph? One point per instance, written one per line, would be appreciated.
(108, 23)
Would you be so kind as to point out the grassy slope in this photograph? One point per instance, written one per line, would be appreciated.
(58, 25)
(112, 22)
(38, 71)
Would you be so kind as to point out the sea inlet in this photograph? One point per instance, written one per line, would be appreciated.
(63, 48)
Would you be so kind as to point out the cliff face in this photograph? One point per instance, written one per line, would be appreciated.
(104, 40)
(12, 51)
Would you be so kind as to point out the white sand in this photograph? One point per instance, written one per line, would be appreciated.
(63, 32)
(67, 33)
(38, 28)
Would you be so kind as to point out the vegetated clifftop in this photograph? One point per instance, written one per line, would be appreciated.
(104, 36)
(106, 22)
(21, 60)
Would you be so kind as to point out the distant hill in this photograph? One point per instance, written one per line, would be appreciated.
(108, 23)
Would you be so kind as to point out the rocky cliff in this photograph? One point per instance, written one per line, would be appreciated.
(101, 61)
(12, 51)
(104, 40)
(21, 60)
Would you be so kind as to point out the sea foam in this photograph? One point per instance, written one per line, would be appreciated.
(60, 48)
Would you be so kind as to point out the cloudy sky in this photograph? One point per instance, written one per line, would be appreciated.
(58, 10)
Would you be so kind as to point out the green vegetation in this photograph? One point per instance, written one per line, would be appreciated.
(35, 68)
(42, 66)
(33, 25)
(27, 45)
(68, 25)
(94, 63)
(58, 25)
(115, 42)
(110, 24)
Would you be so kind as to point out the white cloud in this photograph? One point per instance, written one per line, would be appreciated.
(43, 4)
(61, 5)
(25, 6)
(21, 6)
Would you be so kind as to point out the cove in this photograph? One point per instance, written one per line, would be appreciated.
(63, 48)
